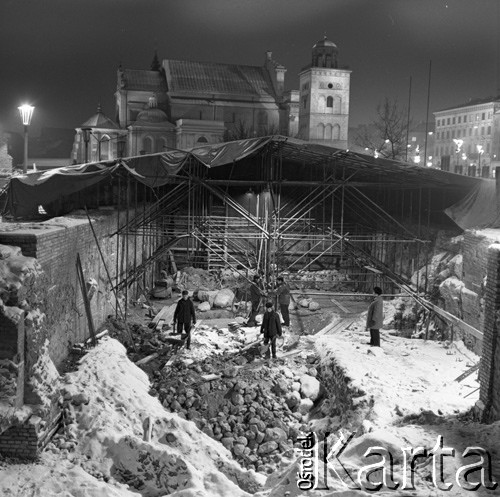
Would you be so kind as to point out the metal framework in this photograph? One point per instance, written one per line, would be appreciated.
(284, 209)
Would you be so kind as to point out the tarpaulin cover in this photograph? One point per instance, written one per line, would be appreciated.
(479, 209)
(25, 193)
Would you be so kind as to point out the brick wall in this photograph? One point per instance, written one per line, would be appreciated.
(489, 371)
(55, 244)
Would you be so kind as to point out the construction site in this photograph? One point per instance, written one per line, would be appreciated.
(100, 397)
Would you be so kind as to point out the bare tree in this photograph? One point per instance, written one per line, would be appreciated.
(242, 131)
(387, 134)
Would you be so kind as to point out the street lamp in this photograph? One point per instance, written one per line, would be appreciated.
(458, 146)
(480, 152)
(26, 112)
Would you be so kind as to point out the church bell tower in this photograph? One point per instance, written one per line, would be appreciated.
(324, 98)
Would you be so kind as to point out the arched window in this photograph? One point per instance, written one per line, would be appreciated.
(201, 139)
(328, 132)
(320, 131)
(329, 102)
(104, 146)
(336, 132)
(147, 145)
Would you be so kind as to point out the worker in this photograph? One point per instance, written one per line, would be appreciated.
(256, 295)
(375, 317)
(271, 327)
(283, 294)
(184, 315)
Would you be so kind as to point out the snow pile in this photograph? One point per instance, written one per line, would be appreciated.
(179, 460)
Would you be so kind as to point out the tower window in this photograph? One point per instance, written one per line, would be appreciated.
(329, 101)
(330, 85)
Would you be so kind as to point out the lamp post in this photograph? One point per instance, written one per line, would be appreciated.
(86, 139)
(458, 146)
(26, 112)
(480, 152)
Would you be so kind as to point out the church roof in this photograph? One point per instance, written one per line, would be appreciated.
(136, 79)
(211, 77)
(99, 120)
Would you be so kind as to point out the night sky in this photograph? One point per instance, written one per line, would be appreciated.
(62, 55)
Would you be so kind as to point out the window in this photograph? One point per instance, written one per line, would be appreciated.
(413, 138)
(453, 121)
(458, 133)
(483, 116)
(438, 122)
(448, 135)
(490, 114)
(488, 148)
(330, 85)
(328, 132)
(452, 133)
(201, 139)
(448, 121)
(477, 117)
(336, 132)
(329, 102)
(320, 131)
(304, 102)
(459, 119)
(470, 131)
(489, 130)
(482, 130)
(147, 145)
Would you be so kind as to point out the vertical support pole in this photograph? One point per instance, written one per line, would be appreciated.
(127, 227)
(117, 267)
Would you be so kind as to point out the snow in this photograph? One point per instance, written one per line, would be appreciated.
(109, 431)
(409, 384)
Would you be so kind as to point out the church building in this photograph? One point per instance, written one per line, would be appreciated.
(181, 104)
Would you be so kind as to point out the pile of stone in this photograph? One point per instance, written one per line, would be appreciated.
(256, 413)
(326, 280)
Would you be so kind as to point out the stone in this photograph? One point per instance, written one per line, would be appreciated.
(230, 372)
(238, 449)
(228, 442)
(314, 306)
(204, 306)
(237, 399)
(292, 400)
(305, 405)
(267, 447)
(276, 434)
(80, 398)
(296, 386)
(224, 298)
(280, 387)
(304, 302)
(309, 387)
(242, 440)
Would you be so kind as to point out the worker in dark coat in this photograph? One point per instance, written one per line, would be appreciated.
(184, 315)
(375, 317)
(256, 294)
(271, 327)
(283, 294)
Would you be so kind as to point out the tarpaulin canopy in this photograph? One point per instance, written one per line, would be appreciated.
(26, 192)
(479, 209)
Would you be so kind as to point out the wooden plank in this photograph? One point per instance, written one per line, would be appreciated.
(467, 373)
(340, 306)
(86, 301)
(166, 313)
(146, 359)
(159, 325)
(326, 328)
(456, 321)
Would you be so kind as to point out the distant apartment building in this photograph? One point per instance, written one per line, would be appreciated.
(467, 137)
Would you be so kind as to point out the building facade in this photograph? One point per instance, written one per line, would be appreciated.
(467, 138)
(324, 97)
(183, 104)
